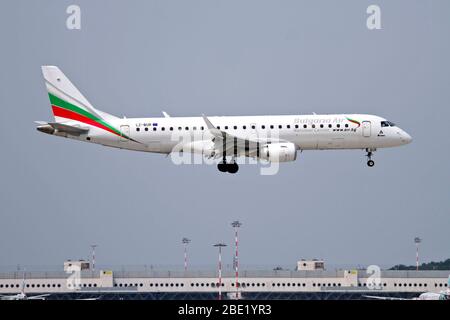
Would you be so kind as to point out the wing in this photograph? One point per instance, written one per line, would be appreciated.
(51, 127)
(38, 297)
(227, 144)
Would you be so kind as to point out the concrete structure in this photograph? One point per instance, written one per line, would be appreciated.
(316, 284)
(310, 265)
(70, 265)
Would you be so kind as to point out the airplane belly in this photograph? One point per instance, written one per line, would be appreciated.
(307, 140)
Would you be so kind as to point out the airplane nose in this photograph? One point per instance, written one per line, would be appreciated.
(406, 138)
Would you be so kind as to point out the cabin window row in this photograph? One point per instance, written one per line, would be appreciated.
(84, 285)
(54, 285)
(213, 285)
(38, 285)
(305, 126)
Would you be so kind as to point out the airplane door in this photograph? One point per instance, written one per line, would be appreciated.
(366, 128)
(125, 131)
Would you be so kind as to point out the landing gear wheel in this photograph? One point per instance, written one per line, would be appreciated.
(223, 167)
(233, 168)
(369, 154)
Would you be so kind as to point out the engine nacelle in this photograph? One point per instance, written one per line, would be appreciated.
(279, 152)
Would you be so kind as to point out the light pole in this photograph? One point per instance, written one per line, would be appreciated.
(185, 242)
(417, 241)
(236, 224)
(220, 246)
(93, 246)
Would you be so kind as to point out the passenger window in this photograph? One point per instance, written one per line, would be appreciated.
(271, 127)
(244, 127)
(154, 128)
(234, 127)
(263, 127)
(288, 126)
(171, 128)
(338, 125)
(313, 126)
(162, 128)
(280, 127)
(305, 126)
(329, 126)
(321, 125)
(218, 127)
(296, 126)
(137, 129)
(253, 127)
(226, 127)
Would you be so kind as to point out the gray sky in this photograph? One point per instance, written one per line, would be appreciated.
(136, 58)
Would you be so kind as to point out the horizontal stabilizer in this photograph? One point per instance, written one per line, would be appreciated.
(51, 127)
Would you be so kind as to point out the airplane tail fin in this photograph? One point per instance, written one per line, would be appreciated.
(68, 104)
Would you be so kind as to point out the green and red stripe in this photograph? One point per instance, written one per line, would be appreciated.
(64, 109)
(354, 121)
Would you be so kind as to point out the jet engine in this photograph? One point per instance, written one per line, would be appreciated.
(279, 152)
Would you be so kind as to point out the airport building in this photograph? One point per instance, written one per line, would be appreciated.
(310, 280)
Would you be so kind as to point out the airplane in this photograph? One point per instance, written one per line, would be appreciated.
(272, 139)
(442, 295)
(22, 295)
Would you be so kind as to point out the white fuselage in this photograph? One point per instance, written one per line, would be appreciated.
(307, 132)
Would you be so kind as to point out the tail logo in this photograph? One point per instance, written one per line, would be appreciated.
(64, 109)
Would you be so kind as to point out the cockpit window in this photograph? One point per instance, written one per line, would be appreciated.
(387, 124)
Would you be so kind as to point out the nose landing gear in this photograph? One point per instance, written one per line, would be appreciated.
(370, 162)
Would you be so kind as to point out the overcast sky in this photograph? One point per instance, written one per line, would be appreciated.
(253, 57)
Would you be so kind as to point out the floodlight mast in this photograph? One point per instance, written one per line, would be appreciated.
(236, 224)
(220, 246)
(93, 246)
(185, 242)
(417, 241)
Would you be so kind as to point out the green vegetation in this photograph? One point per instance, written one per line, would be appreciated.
(441, 265)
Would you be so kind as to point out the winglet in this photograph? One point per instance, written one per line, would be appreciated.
(211, 128)
(166, 115)
(208, 123)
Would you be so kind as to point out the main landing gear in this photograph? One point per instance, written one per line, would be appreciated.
(370, 162)
(228, 167)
